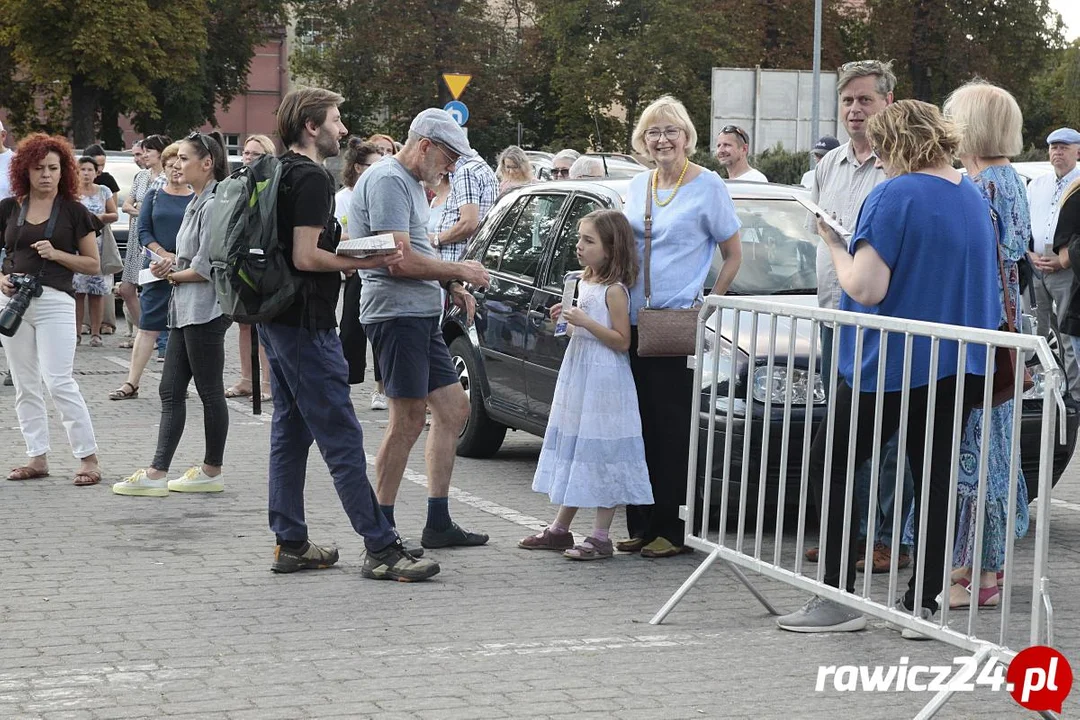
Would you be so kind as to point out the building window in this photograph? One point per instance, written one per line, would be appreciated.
(232, 143)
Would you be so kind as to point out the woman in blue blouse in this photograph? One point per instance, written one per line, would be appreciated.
(159, 221)
(692, 215)
(925, 217)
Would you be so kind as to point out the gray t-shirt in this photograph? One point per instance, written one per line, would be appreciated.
(388, 198)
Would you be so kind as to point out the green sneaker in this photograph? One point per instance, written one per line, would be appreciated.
(395, 563)
(311, 557)
(140, 485)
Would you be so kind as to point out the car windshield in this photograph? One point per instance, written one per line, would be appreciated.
(778, 251)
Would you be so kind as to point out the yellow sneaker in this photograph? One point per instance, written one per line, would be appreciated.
(140, 485)
(195, 480)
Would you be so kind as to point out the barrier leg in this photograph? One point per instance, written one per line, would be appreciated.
(685, 588)
(696, 575)
(938, 701)
(750, 586)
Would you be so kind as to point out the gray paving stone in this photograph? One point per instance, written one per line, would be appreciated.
(166, 608)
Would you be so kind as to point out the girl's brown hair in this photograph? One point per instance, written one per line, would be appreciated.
(615, 234)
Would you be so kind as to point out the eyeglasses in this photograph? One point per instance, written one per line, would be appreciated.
(202, 140)
(253, 155)
(654, 134)
(450, 159)
(735, 130)
(560, 172)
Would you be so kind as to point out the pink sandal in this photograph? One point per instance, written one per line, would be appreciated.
(988, 596)
(591, 549)
(548, 540)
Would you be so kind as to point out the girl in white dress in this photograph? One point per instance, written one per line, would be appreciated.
(593, 455)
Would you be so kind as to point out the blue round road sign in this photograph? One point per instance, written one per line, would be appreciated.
(458, 111)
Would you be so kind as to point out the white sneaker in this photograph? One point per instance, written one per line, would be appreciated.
(378, 401)
(141, 485)
(195, 480)
(907, 633)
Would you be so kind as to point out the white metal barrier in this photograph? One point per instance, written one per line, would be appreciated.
(729, 371)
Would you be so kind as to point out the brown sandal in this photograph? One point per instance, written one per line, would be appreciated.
(121, 394)
(87, 477)
(27, 473)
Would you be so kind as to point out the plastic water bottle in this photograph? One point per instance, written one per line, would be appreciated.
(570, 281)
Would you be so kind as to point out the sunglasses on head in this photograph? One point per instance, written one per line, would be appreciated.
(201, 139)
(735, 130)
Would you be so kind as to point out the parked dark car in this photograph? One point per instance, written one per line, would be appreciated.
(508, 361)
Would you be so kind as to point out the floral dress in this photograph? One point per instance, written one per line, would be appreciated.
(1007, 194)
(94, 284)
(134, 258)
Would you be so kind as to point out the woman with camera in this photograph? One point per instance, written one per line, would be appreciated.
(49, 236)
(196, 347)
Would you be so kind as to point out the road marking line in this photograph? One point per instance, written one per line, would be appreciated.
(491, 508)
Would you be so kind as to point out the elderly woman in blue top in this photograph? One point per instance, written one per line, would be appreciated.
(692, 215)
(196, 346)
(925, 217)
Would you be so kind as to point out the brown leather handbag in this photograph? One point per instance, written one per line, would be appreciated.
(1005, 358)
(662, 332)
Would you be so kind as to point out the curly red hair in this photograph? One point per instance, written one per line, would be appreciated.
(33, 150)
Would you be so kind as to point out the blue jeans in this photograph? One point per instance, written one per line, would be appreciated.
(162, 341)
(309, 382)
(886, 495)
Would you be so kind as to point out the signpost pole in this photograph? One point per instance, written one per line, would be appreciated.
(815, 103)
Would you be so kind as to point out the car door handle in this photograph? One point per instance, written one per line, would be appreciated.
(537, 316)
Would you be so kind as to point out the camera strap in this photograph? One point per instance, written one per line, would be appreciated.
(50, 227)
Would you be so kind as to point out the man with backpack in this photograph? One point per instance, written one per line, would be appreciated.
(309, 376)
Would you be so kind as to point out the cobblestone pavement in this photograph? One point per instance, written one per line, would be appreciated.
(115, 607)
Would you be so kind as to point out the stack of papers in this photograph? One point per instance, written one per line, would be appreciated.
(368, 246)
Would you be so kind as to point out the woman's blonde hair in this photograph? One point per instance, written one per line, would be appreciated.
(522, 171)
(911, 135)
(267, 143)
(617, 238)
(989, 118)
(664, 109)
(170, 153)
(1070, 191)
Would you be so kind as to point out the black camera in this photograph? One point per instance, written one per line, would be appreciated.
(27, 287)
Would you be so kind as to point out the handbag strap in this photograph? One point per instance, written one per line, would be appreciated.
(648, 233)
(1010, 309)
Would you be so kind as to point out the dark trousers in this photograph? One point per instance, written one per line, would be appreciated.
(932, 536)
(665, 392)
(195, 351)
(353, 338)
(309, 382)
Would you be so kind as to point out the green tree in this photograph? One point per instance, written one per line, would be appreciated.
(388, 62)
(89, 51)
(940, 44)
(1053, 98)
(234, 29)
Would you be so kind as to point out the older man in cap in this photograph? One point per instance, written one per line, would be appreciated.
(1053, 285)
(400, 308)
(824, 144)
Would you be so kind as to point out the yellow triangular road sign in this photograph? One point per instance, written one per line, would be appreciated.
(456, 83)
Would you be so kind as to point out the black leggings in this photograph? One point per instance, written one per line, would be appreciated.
(195, 351)
(932, 537)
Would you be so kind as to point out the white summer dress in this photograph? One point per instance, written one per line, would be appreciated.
(593, 454)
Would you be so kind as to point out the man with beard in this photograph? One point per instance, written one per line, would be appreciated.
(309, 376)
(732, 151)
(400, 308)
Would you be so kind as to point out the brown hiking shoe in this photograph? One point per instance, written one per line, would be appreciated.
(882, 558)
(811, 554)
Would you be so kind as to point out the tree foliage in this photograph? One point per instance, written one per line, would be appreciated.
(166, 62)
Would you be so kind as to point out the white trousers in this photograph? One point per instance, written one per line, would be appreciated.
(42, 351)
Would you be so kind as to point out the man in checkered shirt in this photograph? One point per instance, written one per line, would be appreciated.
(473, 189)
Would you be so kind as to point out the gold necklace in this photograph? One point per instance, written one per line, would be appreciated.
(674, 190)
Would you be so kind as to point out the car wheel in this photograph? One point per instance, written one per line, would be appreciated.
(481, 437)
